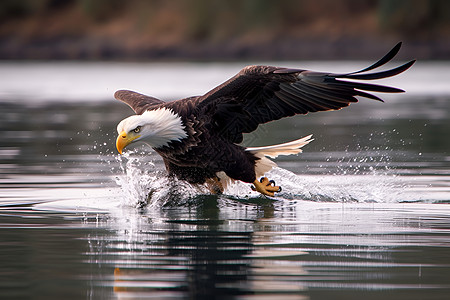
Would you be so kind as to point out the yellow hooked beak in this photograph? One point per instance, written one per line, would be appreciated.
(124, 140)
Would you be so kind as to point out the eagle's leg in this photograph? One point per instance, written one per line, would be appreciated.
(214, 185)
(265, 187)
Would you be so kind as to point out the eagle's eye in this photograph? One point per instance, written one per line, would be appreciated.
(137, 129)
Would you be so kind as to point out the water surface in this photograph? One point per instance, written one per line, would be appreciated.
(363, 213)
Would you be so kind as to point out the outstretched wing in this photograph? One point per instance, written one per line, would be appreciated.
(260, 94)
(138, 102)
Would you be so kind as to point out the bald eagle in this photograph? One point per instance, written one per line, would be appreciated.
(198, 137)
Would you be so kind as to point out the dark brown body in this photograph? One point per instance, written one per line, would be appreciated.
(207, 150)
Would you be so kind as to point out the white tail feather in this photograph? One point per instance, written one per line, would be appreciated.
(282, 149)
(264, 164)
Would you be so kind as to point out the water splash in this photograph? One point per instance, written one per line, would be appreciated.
(145, 184)
(327, 188)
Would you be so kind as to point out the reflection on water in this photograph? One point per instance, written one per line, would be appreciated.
(363, 212)
(301, 251)
(222, 248)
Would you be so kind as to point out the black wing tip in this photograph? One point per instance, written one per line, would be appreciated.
(364, 75)
(410, 63)
(382, 61)
(407, 65)
(394, 51)
(398, 45)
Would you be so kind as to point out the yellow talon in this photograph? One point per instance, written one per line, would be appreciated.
(265, 187)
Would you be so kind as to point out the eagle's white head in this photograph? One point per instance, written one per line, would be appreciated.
(155, 127)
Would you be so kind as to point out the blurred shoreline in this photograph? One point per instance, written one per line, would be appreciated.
(282, 50)
(217, 30)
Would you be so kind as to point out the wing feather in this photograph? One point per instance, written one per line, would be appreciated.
(138, 102)
(385, 59)
(260, 94)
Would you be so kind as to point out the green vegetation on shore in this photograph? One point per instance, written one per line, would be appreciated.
(217, 29)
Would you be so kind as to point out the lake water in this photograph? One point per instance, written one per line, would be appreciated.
(364, 212)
